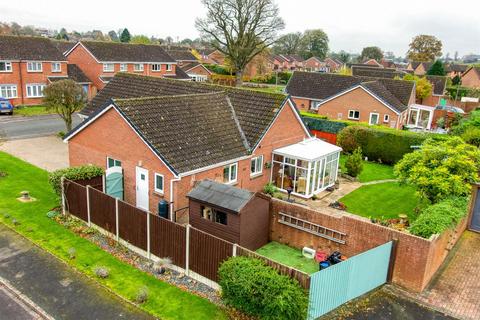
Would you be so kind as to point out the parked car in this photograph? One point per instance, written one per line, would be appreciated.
(6, 106)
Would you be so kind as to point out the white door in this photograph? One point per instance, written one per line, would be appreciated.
(374, 118)
(142, 188)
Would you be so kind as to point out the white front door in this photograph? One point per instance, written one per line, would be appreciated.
(142, 188)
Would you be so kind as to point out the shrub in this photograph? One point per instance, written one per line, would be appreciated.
(142, 295)
(439, 217)
(354, 163)
(270, 189)
(258, 290)
(73, 173)
(472, 136)
(102, 272)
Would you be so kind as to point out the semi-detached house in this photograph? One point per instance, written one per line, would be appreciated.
(166, 135)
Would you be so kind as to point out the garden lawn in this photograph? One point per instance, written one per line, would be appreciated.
(269, 89)
(382, 201)
(289, 256)
(27, 111)
(372, 171)
(164, 300)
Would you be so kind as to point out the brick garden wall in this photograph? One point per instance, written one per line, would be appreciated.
(416, 259)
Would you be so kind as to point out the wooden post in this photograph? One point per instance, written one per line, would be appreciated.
(117, 223)
(148, 236)
(234, 251)
(104, 183)
(187, 250)
(88, 206)
(391, 265)
(62, 181)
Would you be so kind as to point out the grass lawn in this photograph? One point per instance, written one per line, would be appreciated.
(164, 300)
(385, 200)
(289, 256)
(270, 89)
(31, 110)
(371, 170)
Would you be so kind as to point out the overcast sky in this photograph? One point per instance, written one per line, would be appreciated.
(350, 25)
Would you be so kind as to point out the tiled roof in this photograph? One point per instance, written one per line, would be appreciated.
(182, 55)
(414, 64)
(105, 79)
(187, 66)
(255, 110)
(381, 92)
(179, 75)
(439, 83)
(458, 67)
(352, 65)
(367, 71)
(63, 46)
(125, 52)
(188, 131)
(28, 48)
(74, 73)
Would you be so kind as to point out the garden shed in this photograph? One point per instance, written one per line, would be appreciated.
(230, 213)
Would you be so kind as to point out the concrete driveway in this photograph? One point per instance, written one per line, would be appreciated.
(49, 153)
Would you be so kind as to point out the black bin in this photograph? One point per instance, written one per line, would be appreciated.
(163, 209)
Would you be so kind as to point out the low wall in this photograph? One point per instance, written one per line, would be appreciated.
(416, 259)
(327, 136)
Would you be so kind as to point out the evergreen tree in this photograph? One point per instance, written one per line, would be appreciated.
(437, 69)
(125, 36)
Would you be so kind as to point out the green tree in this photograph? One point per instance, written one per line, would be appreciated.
(440, 169)
(371, 53)
(289, 43)
(424, 48)
(436, 69)
(314, 44)
(457, 80)
(354, 163)
(65, 97)
(125, 36)
(422, 85)
(240, 29)
(140, 39)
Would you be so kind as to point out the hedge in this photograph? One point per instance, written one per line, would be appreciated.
(73, 173)
(323, 124)
(382, 145)
(258, 290)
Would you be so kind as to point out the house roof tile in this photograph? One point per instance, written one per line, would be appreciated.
(181, 55)
(439, 83)
(29, 48)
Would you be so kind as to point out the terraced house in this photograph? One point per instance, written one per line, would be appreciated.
(166, 135)
(29, 64)
(100, 61)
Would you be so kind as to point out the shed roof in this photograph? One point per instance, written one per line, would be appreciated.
(221, 195)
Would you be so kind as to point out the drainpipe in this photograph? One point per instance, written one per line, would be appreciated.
(171, 197)
(21, 82)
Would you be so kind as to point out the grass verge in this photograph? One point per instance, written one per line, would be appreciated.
(28, 111)
(288, 256)
(372, 171)
(29, 219)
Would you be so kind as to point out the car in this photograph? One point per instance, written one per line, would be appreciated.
(6, 106)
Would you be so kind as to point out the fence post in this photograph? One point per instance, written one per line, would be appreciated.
(117, 223)
(62, 181)
(187, 250)
(234, 250)
(104, 181)
(391, 264)
(88, 206)
(148, 236)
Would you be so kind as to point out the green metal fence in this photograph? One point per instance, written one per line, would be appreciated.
(332, 287)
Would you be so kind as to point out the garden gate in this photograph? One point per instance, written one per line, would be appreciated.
(332, 287)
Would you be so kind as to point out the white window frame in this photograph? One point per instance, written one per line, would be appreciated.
(8, 66)
(156, 67)
(10, 91)
(157, 190)
(315, 104)
(123, 67)
(114, 162)
(55, 65)
(386, 118)
(353, 117)
(38, 91)
(138, 67)
(106, 67)
(258, 165)
(169, 67)
(230, 166)
(34, 66)
(370, 118)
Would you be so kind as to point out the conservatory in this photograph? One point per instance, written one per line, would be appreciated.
(305, 168)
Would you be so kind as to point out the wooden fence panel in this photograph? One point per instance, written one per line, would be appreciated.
(207, 253)
(302, 277)
(168, 239)
(102, 210)
(132, 225)
(76, 199)
(96, 182)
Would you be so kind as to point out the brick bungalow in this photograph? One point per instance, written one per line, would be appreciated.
(315, 64)
(28, 64)
(471, 78)
(455, 69)
(212, 56)
(364, 99)
(167, 134)
(373, 62)
(333, 64)
(100, 61)
(197, 71)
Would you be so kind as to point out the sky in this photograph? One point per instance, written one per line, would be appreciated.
(350, 25)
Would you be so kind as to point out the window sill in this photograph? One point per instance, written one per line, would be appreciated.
(353, 119)
(34, 71)
(160, 194)
(233, 183)
(256, 175)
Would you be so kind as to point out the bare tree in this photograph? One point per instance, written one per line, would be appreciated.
(240, 29)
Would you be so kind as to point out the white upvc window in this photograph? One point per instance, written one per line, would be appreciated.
(256, 165)
(386, 118)
(230, 173)
(169, 67)
(159, 182)
(5, 66)
(8, 91)
(34, 66)
(138, 67)
(108, 67)
(315, 104)
(353, 114)
(123, 67)
(56, 67)
(113, 163)
(156, 67)
(35, 90)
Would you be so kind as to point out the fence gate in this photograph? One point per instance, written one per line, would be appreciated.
(114, 182)
(332, 287)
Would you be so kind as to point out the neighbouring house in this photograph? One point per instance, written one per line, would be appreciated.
(315, 64)
(373, 62)
(455, 69)
(439, 84)
(375, 72)
(100, 61)
(197, 71)
(181, 55)
(333, 64)
(280, 63)
(77, 75)
(419, 68)
(167, 135)
(373, 100)
(471, 77)
(283, 62)
(387, 63)
(261, 65)
(212, 56)
(28, 65)
(230, 213)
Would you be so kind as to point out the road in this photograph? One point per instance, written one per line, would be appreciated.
(34, 126)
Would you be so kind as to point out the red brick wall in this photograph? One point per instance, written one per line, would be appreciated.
(416, 260)
(301, 103)
(200, 70)
(327, 136)
(471, 79)
(431, 100)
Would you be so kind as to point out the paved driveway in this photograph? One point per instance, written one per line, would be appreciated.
(49, 153)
